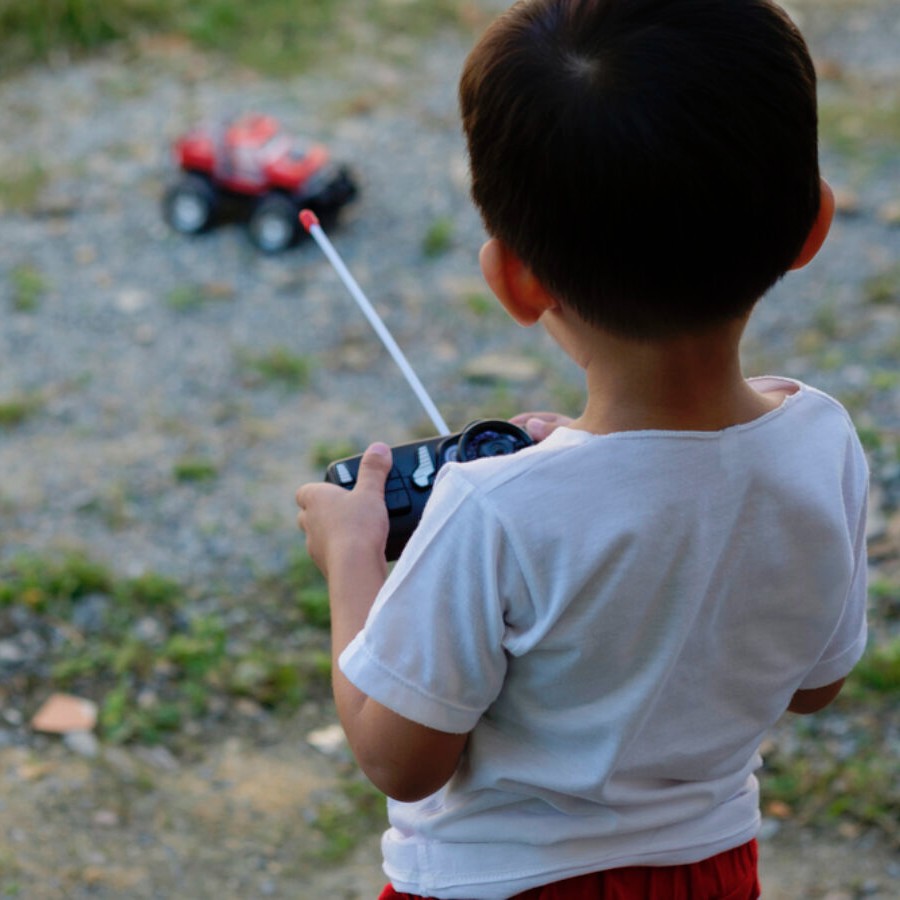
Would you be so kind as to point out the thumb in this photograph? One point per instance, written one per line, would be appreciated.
(538, 428)
(374, 468)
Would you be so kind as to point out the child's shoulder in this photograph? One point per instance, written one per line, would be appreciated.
(804, 397)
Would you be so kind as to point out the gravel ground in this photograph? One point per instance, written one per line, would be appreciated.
(128, 379)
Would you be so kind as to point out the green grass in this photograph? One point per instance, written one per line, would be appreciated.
(195, 469)
(21, 185)
(10, 874)
(162, 659)
(846, 772)
(885, 592)
(17, 409)
(186, 298)
(870, 438)
(277, 37)
(326, 452)
(860, 121)
(50, 585)
(482, 304)
(278, 366)
(883, 288)
(158, 659)
(879, 669)
(306, 584)
(823, 788)
(355, 811)
(28, 286)
(438, 237)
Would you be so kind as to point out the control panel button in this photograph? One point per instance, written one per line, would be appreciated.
(344, 475)
(423, 474)
(397, 501)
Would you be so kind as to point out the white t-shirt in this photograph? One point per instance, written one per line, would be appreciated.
(617, 620)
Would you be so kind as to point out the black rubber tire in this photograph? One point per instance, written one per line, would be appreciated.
(189, 204)
(274, 225)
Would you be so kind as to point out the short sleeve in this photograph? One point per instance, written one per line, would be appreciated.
(432, 648)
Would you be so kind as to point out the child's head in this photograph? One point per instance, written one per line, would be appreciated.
(653, 162)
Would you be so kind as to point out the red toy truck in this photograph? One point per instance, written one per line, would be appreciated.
(249, 168)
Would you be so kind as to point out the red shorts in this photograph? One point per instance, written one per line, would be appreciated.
(731, 875)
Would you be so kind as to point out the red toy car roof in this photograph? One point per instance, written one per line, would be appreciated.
(252, 130)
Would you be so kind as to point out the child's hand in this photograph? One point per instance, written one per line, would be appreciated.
(540, 425)
(347, 526)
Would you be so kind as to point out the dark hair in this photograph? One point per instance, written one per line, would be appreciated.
(654, 162)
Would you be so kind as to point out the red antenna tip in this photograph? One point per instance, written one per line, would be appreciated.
(308, 218)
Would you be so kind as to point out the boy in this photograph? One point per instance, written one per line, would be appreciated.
(563, 682)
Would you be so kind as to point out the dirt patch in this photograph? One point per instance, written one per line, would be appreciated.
(239, 822)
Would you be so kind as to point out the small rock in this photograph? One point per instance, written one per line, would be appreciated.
(494, 367)
(779, 810)
(147, 699)
(149, 630)
(64, 714)
(12, 716)
(84, 743)
(33, 771)
(846, 202)
(329, 740)
(11, 652)
(249, 708)
(889, 212)
(829, 69)
(106, 818)
(850, 830)
(219, 290)
(131, 300)
(89, 612)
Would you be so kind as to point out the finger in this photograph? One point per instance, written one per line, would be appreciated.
(522, 418)
(538, 429)
(374, 468)
(306, 492)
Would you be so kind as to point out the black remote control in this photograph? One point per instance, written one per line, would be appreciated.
(417, 463)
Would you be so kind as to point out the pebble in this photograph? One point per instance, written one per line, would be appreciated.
(83, 743)
(330, 740)
(65, 714)
(497, 368)
(889, 213)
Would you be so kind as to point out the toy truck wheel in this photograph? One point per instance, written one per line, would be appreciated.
(274, 226)
(189, 205)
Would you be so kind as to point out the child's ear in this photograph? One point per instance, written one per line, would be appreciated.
(819, 230)
(513, 283)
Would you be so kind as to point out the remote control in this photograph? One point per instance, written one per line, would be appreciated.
(417, 463)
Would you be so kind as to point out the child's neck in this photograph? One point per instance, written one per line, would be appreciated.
(688, 383)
